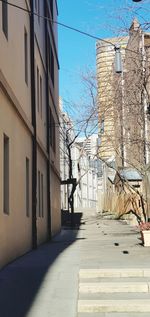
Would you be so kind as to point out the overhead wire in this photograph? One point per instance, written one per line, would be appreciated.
(63, 24)
(56, 22)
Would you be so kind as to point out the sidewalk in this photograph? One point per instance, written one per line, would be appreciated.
(45, 282)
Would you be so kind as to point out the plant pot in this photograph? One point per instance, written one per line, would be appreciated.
(145, 234)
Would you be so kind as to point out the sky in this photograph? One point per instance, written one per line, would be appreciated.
(101, 18)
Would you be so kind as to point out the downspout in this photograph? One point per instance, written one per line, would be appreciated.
(143, 100)
(48, 131)
(34, 141)
(121, 119)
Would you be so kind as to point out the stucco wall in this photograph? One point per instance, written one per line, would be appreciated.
(16, 124)
(15, 228)
(12, 55)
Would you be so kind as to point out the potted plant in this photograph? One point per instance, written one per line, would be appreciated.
(145, 233)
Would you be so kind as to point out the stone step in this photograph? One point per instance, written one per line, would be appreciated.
(121, 306)
(127, 287)
(115, 279)
(114, 314)
(114, 296)
(117, 272)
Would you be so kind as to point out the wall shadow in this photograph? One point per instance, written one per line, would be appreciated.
(20, 281)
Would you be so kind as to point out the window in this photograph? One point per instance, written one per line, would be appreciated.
(102, 125)
(26, 55)
(6, 175)
(42, 196)
(35, 4)
(27, 188)
(51, 8)
(37, 78)
(52, 65)
(136, 186)
(5, 18)
(50, 61)
(39, 194)
(38, 10)
(41, 95)
(52, 132)
(39, 92)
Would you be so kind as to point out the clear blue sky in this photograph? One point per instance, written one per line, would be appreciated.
(102, 18)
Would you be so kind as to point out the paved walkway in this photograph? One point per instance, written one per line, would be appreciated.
(45, 282)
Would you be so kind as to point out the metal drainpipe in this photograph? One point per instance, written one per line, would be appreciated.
(143, 100)
(34, 141)
(48, 131)
(122, 118)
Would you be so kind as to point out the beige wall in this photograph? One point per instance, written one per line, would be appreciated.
(16, 124)
(12, 55)
(15, 228)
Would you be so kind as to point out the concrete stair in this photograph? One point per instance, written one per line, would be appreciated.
(114, 292)
(94, 288)
(115, 314)
(117, 272)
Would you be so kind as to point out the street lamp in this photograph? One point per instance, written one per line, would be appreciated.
(118, 59)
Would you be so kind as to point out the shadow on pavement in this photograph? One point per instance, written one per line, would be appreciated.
(21, 280)
(66, 219)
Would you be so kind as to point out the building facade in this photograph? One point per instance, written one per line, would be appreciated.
(136, 88)
(105, 56)
(90, 145)
(29, 137)
(123, 99)
(85, 195)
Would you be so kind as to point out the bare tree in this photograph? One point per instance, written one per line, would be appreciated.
(118, 111)
(86, 126)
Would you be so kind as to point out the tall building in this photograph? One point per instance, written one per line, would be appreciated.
(105, 55)
(29, 133)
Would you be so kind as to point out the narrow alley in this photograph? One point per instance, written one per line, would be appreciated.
(74, 158)
(99, 269)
